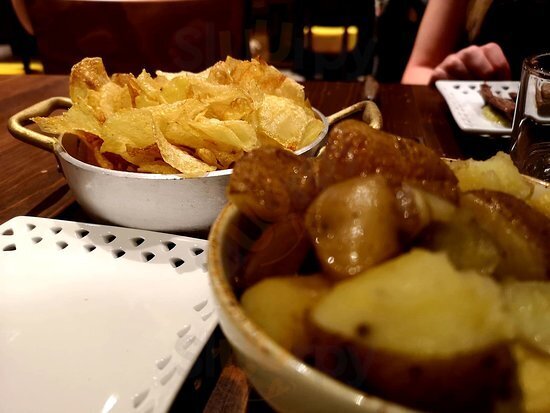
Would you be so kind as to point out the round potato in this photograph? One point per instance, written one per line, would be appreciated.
(354, 226)
(519, 231)
(355, 149)
(271, 183)
(417, 331)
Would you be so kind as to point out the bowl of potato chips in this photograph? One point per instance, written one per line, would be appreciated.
(386, 279)
(155, 151)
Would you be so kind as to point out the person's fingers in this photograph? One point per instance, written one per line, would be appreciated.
(476, 62)
(439, 74)
(455, 68)
(495, 56)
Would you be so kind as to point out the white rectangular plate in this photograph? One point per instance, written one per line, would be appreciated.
(98, 318)
(466, 104)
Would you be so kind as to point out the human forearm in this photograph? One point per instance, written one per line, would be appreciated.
(417, 75)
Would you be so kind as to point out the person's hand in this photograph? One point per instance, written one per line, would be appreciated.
(485, 62)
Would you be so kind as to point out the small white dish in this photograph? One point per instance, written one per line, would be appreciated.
(98, 318)
(466, 104)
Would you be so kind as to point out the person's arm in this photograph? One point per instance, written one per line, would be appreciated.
(433, 59)
(437, 37)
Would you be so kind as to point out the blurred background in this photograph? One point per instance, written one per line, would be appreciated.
(307, 39)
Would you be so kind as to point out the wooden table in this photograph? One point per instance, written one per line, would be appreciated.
(30, 184)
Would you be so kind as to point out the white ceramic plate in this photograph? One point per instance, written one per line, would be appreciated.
(466, 104)
(98, 318)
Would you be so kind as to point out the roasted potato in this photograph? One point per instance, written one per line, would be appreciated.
(279, 305)
(271, 183)
(419, 332)
(529, 306)
(281, 249)
(497, 174)
(355, 149)
(468, 246)
(354, 226)
(519, 231)
(540, 200)
(533, 371)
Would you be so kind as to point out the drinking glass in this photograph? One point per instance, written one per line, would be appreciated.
(531, 126)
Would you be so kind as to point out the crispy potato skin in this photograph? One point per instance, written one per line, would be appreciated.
(503, 216)
(470, 382)
(271, 183)
(281, 249)
(355, 149)
(419, 332)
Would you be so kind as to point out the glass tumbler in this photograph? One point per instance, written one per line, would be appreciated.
(531, 126)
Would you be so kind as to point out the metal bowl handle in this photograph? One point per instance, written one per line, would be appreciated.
(371, 114)
(17, 124)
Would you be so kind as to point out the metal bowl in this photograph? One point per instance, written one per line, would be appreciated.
(140, 200)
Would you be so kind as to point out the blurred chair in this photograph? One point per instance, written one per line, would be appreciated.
(12, 33)
(325, 23)
(131, 35)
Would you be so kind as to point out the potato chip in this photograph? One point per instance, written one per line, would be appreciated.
(184, 120)
(256, 75)
(110, 99)
(188, 165)
(129, 128)
(207, 156)
(219, 159)
(283, 121)
(143, 156)
(226, 135)
(150, 94)
(157, 168)
(88, 74)
(80, 117)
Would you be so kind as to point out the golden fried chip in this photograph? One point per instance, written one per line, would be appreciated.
(256, 76)
(219, 159)
(177, 89)
(207, 156)
(108, 100)
(80, 117)
(150, 90)
(188, 165)
(157, 168)
(129, 128)
(286, 122)
(143, 156)
(227, 159)
(226, 135)
(215, 116)
(313, 129)
(88, 74)
(129, 81)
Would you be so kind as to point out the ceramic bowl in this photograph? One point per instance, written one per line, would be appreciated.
(285, 382)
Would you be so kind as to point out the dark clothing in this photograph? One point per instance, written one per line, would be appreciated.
(396, 31)
(519, 27)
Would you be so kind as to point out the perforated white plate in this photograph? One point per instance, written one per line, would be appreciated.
(98, 318)
(465, 104)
